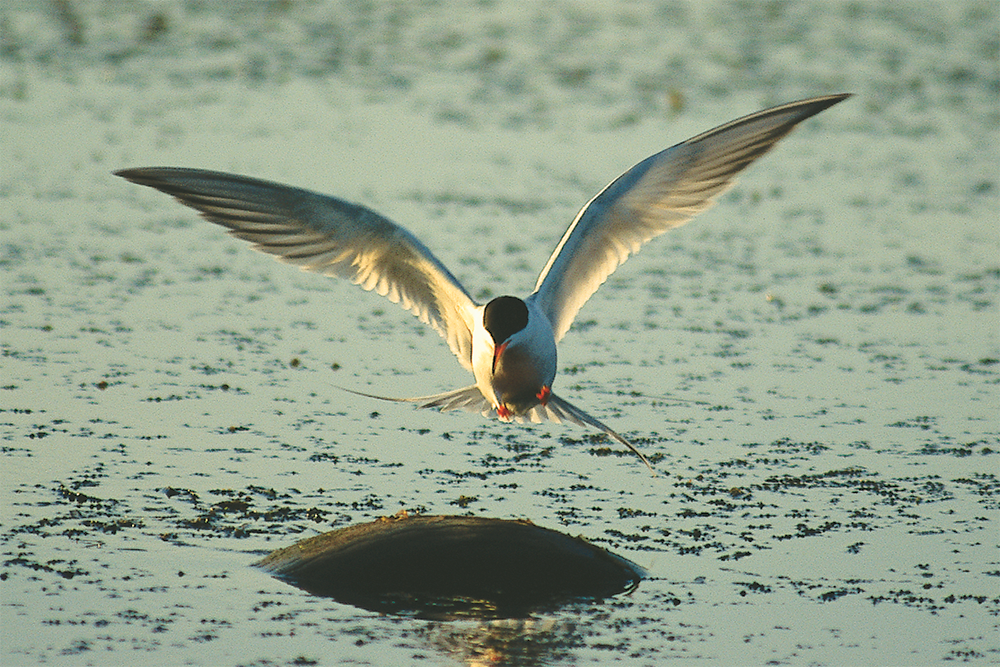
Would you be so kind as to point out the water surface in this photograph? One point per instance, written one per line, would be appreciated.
(813, 363)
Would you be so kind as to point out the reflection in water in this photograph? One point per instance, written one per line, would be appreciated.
(521, 642)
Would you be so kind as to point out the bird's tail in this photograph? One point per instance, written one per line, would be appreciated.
(560, 410)
(470, 398)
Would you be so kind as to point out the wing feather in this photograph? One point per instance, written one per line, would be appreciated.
(661, 192)
(329, 236)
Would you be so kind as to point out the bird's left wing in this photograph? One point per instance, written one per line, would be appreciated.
(661, 192)
(329, 236)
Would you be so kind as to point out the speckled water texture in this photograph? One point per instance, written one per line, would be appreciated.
(813, 364)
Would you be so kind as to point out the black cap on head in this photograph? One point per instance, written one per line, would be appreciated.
(504, 316)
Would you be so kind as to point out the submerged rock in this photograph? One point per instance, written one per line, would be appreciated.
(446, 567)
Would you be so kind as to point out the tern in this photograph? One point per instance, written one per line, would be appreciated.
(509, 344)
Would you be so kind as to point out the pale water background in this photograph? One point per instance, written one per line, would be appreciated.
(814, 362)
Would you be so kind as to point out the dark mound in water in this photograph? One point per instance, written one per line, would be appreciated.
(446, 567)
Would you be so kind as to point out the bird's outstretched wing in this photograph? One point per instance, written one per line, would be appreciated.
(329, 236)
(661, 192)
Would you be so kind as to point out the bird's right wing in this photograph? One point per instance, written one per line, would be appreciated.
(329, 236)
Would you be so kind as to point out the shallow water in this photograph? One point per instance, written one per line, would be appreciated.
(813, 363)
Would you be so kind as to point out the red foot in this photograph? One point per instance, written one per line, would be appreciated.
(503, 411)
(543, 395)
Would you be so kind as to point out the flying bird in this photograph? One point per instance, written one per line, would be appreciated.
(509, 344)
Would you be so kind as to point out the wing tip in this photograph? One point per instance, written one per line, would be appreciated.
(814, 105)
(138, 175)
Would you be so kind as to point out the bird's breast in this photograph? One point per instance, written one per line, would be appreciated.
(520, 375)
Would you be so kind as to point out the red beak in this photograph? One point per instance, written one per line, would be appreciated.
(497, 352)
